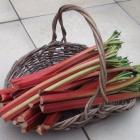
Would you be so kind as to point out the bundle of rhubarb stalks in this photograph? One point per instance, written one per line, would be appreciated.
(40, 100)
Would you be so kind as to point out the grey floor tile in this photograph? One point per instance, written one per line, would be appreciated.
(121, 126)
(6, 11)
(29, 8)
(9, 131)
(41, 31)
(13, 44)
(112, 17)
(132, 7)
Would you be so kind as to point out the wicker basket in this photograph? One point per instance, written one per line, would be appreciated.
(59, 50)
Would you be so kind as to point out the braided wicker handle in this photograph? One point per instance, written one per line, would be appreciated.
(97, 36)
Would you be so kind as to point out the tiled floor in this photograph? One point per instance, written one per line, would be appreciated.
(42, 7)
(7, 13)
(27, 24)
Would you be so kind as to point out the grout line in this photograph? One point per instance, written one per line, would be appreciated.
(22, 24)
(14, 9)
(49, 14)
(118, 3)
(86, 134)
(3, 22)
(19, 18)
(28, 33)
(88, 7)
(94, 6)
(38, 16)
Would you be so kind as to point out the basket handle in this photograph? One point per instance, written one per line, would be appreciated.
(96, 34)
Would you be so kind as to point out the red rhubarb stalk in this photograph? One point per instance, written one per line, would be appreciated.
(111, 72)
(27, 114)
(12, 116)
(33, 93)
(19, 93)
(32, 123)
(40, 76)
(46, 98)
(6, 94)
(89, 91)
(31, 120)
(73, 85)
(2, 104)
(80, 103)
(48, 123)
(34, 104)
(14, 122)
(67, 73)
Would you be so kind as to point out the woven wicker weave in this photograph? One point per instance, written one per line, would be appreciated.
(59, 50)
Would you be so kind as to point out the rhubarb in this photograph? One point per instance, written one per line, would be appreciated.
(37, 101)
(80, 103)
(27, 114)
(89, 91)
(40, 76)
(48, 123)
(55, 82)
